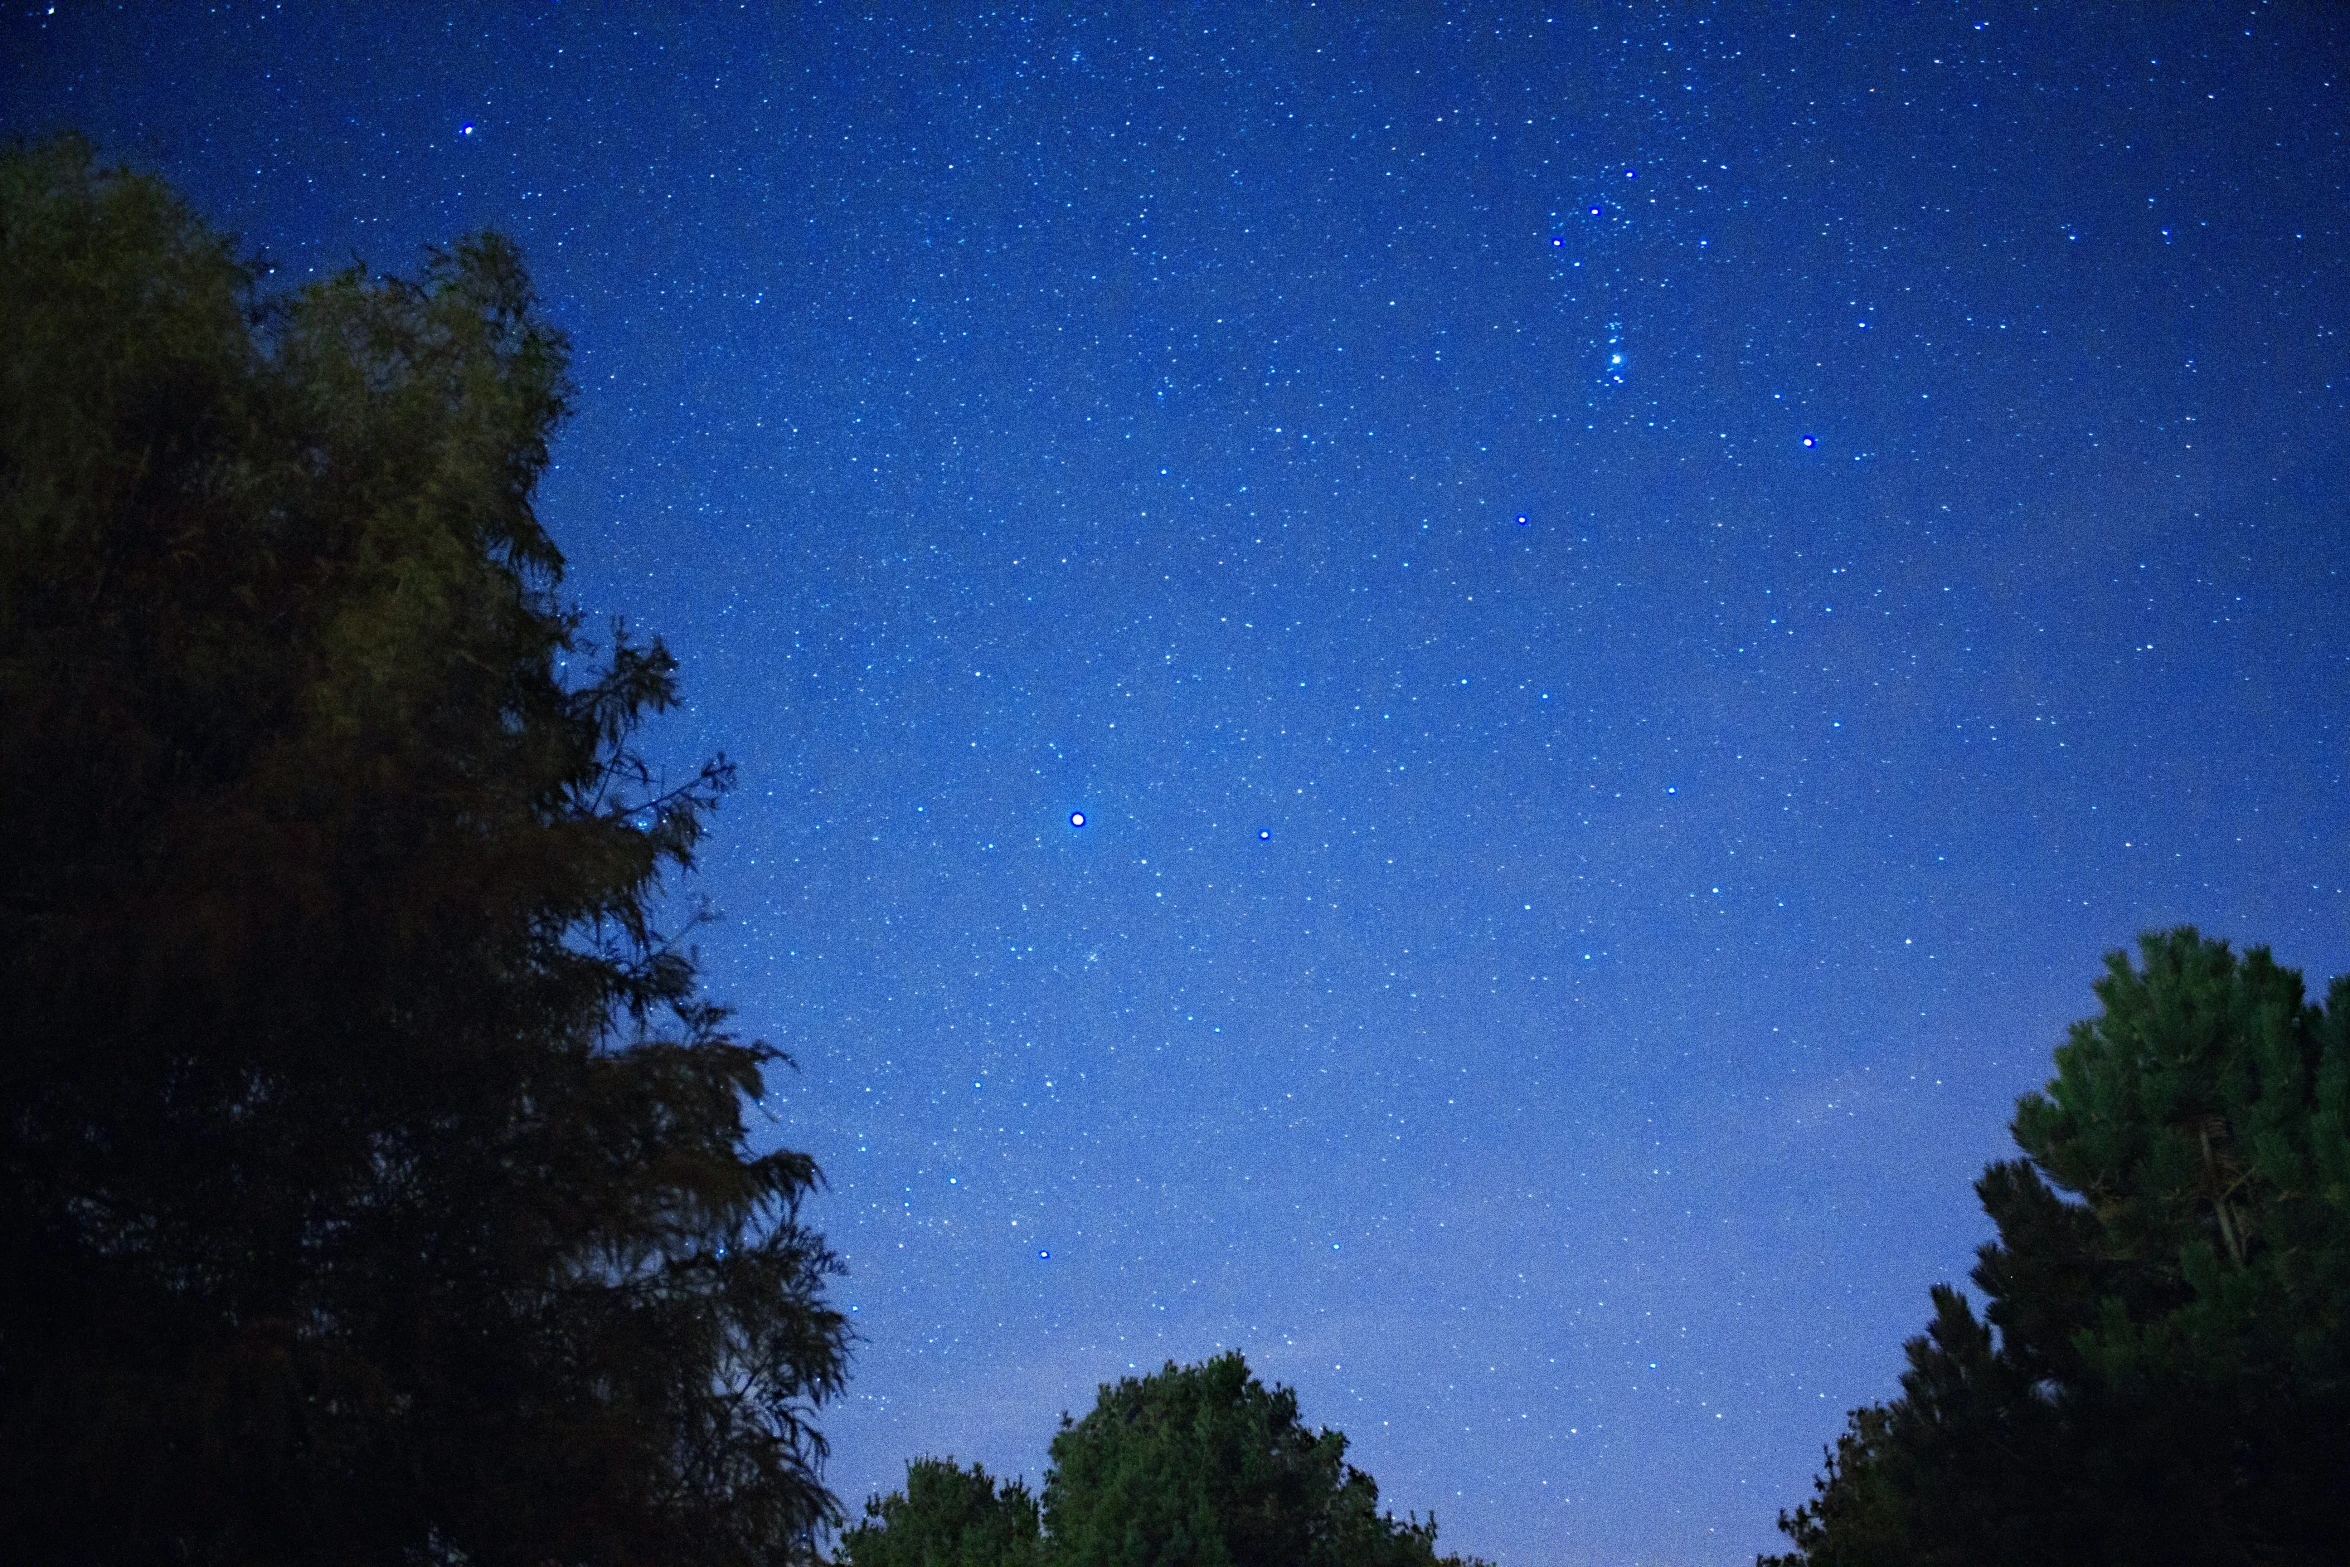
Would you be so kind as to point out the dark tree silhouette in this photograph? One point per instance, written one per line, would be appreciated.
(2162, 1371)
(947, 1516)
(374, 1184)
(1202, 1466)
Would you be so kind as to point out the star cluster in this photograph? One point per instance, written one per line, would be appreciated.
(1456, 694)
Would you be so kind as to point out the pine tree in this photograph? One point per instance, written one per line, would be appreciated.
(374, 1184)
(2162, 1370)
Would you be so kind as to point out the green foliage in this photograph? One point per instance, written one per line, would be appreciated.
(1198, 1466)
(1854, 1518)
(1202, 1466)
(373, 1182)
(2169, 1379)
(947, 1517)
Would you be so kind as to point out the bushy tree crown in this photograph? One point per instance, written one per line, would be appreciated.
(1192, 1466)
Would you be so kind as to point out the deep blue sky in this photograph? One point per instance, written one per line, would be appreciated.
(1631, 597)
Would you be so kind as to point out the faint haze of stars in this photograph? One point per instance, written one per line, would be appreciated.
(1496, 677)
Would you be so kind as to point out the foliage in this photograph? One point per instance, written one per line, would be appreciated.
(2162, 1371)
(1203, 1465)
(1854, 1520)
(947, 1517)
(373, 1182)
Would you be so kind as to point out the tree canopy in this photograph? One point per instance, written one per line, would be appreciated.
(374, 1181)
(947, 1516)
(2162, 1370)
(1194, 1466)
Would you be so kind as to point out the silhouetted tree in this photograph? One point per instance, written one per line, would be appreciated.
(947, 1517)
(373, 1183)
(2162, 1371)
(1202, 1466)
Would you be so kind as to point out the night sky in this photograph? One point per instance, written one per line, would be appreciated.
(1629, 598)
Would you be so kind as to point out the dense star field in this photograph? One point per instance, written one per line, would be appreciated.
(1453, 694)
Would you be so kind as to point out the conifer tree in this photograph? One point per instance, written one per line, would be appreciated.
(2162, 1370)
(374, 1185)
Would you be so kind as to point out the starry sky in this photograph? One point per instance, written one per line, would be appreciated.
(1455, 694)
